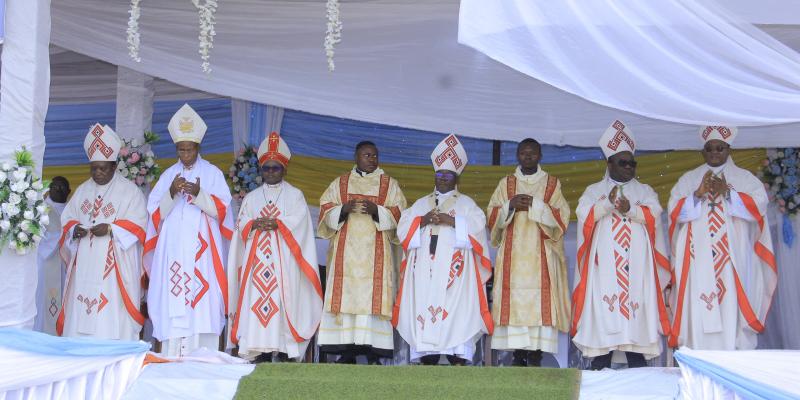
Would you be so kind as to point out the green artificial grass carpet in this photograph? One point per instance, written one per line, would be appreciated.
(333, 381)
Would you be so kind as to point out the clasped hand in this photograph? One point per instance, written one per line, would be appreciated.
(97, 230)
(265, 224)
(712, 184)
(621, 203)
(360, 206)
(179, 184)
(434, 217)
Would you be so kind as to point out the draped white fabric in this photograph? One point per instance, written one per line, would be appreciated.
(135, 93)
(398, 64)
(29, 376)
(752, 374)
(252, 122)
(781, 331)
(24, 98)
(34, 365)
(682, 61)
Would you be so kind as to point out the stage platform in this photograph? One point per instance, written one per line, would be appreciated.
(38, 366)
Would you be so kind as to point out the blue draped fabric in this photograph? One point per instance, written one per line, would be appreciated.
(40, 343)
(66, 126)
(307, 134)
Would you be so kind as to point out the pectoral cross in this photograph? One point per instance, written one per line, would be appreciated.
(712, 203)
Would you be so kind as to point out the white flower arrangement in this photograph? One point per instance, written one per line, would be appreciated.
(23, 213)
(133, 31)
(207, 33)
(137, 165)
(333, 34)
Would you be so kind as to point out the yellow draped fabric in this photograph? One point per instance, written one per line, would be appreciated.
(312, 175)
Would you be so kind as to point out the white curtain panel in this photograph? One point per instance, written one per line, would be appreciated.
(781, 330)
(684, 61)
(252, 122)
(399, 63)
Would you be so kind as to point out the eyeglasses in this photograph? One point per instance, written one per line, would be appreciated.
(627, 163)
(272, 168)
(447, 176)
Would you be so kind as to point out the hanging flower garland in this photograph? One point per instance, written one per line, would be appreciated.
(133, 31)
(244, 173)
(333, 35)
(24, 213)
(207, 32)
(781, 175)
(137, 165)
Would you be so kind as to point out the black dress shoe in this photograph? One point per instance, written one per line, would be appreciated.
(263, 358)
(601, 362)
(635, 360)
(535, 358)
(455, 360)
(431, 359)
(520, 358)
(346, 358)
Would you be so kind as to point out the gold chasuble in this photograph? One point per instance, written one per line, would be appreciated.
(530, 293)
(361, 269)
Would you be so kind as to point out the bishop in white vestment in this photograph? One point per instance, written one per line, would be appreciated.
(101, 244)
(188, 232)
(441, 305)
(273, 282)
(622, 271)
(724, 269)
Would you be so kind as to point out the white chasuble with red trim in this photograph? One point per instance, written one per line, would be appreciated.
(622, 272)
(185, 253)
(723, 265)
(441, 301)
(103, 281)
(273, 281)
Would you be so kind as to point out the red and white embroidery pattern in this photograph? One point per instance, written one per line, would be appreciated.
(620, 137)
(723, 131)
(449, 153)
(98, 144)
(86, 206)
(265, 282)
(456, 267)
(621, 231)
(175, 278)
(720, 250)
(88, 302)
(109, 210)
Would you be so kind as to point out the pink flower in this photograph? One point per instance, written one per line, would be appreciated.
(783, 210)
(135, 156)
(123, 151)
(140, 180)
(143, 171)
(765, 162)
(781, 202)
(242, 194)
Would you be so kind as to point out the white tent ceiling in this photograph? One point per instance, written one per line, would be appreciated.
(399, 64)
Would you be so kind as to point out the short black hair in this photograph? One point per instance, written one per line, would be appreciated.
(365, 143)
(60, 178)
(530, 141)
